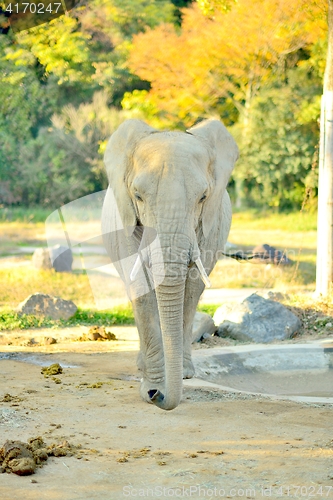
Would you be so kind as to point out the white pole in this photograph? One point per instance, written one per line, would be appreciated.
(324, 277)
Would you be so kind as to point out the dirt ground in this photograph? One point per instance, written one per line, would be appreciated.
(214, 445)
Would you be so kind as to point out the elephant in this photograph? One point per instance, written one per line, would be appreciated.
(167, 214)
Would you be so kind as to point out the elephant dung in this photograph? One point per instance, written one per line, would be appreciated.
(40, 304)
(16, 457)
(203, 323)
(257, 320)
(23, 458)
(49, 340)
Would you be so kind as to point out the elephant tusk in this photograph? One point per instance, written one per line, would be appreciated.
(202, 272)
(140, 258)
(136, 268)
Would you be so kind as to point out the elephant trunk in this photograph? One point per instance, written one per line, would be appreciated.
(170, 301)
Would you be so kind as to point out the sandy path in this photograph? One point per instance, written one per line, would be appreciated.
(245, 447)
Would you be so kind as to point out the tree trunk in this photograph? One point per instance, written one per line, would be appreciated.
(324, 276)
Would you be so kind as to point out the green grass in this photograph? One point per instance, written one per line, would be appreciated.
(17, 283)
(208, 308)
(253, 219)
(230, 273)
(23, 214)
(295, 221)
(314, 314)
(15, 234)
(292, 233)
(122, 315)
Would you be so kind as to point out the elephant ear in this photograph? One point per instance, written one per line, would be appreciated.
(118, 162)
(224, 153)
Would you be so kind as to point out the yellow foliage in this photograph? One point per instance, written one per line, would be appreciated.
(214, 58)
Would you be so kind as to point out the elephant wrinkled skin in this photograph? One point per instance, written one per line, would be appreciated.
(167, 200)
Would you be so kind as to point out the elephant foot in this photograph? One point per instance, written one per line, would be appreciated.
(147, 385)
(188, 369)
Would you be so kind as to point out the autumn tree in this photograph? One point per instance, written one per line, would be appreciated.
(278, 160)
(54, 66)
(218, 64)
(111, 25)
(68, 153)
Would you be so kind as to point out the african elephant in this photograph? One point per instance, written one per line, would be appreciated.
(173, 184)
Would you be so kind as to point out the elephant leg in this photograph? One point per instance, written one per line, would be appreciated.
(193, 290)
(150, 360)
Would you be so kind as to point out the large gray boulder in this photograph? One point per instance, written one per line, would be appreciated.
(61, 258)
(257, 320)
(270, 254)
(202, 324)
(40, 304)
(58, 257)
(41, 259)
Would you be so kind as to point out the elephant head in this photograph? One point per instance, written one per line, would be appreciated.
(173, 182)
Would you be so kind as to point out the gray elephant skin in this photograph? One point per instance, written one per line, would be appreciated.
(170, 188)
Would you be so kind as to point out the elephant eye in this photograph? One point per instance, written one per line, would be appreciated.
(203, 197)
(138, 197)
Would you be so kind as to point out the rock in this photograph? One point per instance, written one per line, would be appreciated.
(41, 259)
(271, 255)
(61, 258)
(278, 296)
(203, 323)
(40, 304)
(58, 257)
(257, 320)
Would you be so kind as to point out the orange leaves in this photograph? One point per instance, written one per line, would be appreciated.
(228, 56)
